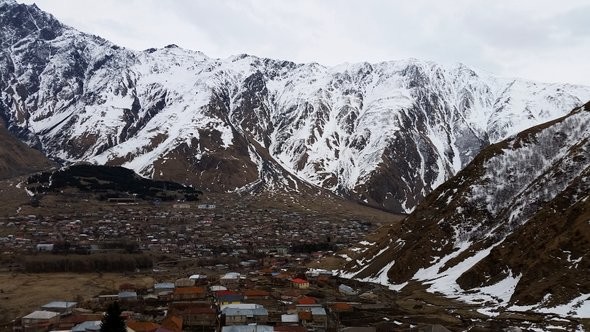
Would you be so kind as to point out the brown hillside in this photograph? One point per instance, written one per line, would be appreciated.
(16, 158)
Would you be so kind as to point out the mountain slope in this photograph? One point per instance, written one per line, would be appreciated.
(16, 158)
(386, 133)
(511, 230)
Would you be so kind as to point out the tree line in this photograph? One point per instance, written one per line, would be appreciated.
(86, 263)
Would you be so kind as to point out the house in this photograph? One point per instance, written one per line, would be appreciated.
(313, 316)
(254, 294)
(227, 297)
(217, 288)
(102, 299)
(290, 319)
(230, 280)
(319, 318)
(189, 294)
(127, 296)
(300, 283)
(244, 314)
(87, 326)
(304, 317)
(62, 307)
(163, 287)
(306, 300)
(70, 321)
(40, 320)
(142, 326)
(341, 307)
(197, 315)
(172, 323)
(45, 247)
(184, 282)
(199, 279)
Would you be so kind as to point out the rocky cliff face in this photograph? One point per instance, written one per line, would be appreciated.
(511, 231)
(386, 133)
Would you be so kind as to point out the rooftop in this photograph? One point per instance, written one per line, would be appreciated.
(247, 328)
(60, 305)
(41, 314)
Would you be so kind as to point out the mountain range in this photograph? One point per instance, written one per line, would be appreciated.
(385, 134)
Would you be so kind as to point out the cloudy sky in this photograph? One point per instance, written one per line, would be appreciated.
(545, 40)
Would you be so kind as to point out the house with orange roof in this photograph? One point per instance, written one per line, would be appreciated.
(172, 323)
(189, 294)
(142, 326)
(306, 300)
(304, 316)
(341, 307)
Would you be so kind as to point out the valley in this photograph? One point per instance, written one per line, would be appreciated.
(252, 194)
(259, 238)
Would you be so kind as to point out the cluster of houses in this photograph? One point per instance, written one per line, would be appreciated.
(187, 231)
(265, 300)
(267, 294)
(262, 301)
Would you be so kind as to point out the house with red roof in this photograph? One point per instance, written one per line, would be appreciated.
(300, 283)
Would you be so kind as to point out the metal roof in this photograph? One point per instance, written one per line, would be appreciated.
(91, 325)
(293, 318)
(166, 285)
(245, 312)
(247, 328)
(60, 304)
(41, 314)
(318, 311)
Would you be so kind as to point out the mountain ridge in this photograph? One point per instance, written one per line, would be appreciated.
(385, 134)
(510, 231)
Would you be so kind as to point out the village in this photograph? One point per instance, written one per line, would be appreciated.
(215, 268)
(259, 300)
(273, 290)
(206, 234)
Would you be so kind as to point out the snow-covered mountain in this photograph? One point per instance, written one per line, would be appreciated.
(511, 231)
(385, 133)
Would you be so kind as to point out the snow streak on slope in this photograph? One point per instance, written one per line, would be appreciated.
(385, 133)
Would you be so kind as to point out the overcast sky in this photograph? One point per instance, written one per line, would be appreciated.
(545, 40)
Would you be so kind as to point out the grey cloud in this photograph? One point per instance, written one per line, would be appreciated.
(523, 38)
